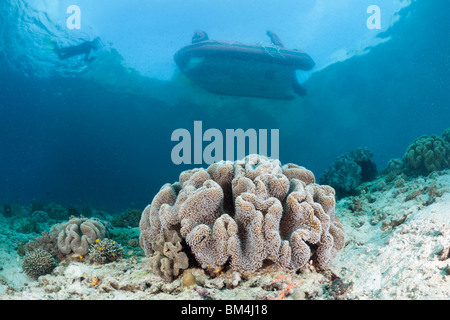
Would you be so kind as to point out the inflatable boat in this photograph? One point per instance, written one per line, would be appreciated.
(232, 68)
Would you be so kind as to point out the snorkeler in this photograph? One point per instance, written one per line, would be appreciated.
(83, 48)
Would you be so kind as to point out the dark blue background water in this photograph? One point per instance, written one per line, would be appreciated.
(103, 138)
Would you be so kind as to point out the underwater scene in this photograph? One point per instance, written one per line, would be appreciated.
(224, 150)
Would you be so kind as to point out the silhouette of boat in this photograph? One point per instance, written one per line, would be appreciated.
(238, 69)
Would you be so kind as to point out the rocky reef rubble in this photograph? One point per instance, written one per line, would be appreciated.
(133, 279)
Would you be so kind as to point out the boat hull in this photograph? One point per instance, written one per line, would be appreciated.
(243, 70)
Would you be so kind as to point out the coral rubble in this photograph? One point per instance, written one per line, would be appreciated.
(247, 212)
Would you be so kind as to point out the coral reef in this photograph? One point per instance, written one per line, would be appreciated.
(349, 170)
(54, 211)
(446, 135)
(29, 226)
(130, 218)
(395, 249)
(247, 212)
(7, 211)
(37, 263)
(76, 235)
(45, 242)
(39, 216)
(133, 243)
(105, 251)
(427, 154)
(168, 259)
(394, 166)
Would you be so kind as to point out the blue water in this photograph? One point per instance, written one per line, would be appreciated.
(99, 133)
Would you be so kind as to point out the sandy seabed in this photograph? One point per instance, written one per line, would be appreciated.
(397, 247)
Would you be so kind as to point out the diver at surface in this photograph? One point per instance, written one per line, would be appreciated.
(84, 48)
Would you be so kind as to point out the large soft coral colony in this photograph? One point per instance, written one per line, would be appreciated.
(247, 212)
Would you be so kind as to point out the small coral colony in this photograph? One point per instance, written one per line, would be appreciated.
(238, 215)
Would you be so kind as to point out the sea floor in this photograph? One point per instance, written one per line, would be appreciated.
(397, 247)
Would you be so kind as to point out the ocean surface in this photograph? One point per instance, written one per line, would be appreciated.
(98, 133)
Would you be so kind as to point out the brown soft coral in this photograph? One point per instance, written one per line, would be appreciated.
(76, 235)
(168, 259)
(247, 212)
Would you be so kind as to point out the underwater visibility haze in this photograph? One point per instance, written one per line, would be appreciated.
(90, 100)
